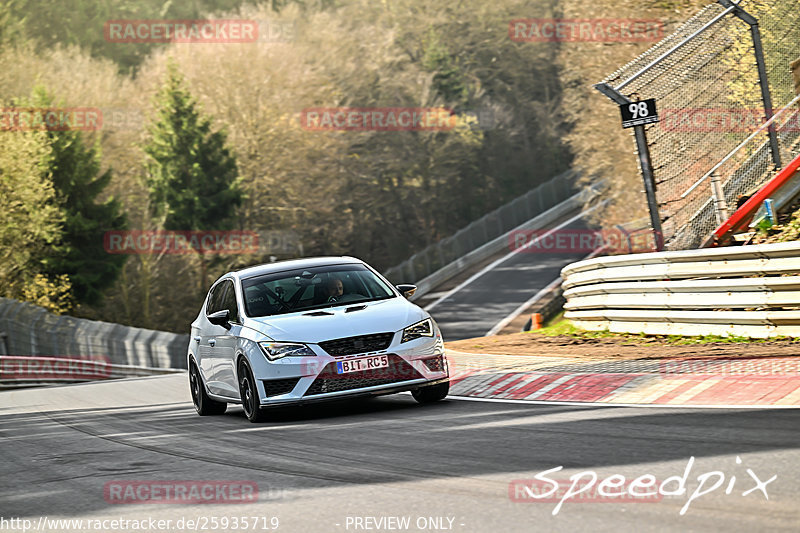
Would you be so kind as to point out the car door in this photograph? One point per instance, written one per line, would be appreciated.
(208, 338)
(224, 350)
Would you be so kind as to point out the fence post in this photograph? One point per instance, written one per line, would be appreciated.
(442, 261)
(763, 81)
(720, 204)
(645, 162)
(413, 278)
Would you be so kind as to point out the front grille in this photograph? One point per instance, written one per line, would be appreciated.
(329, 381)
(359, 344)
(276, 387)
(435, 364)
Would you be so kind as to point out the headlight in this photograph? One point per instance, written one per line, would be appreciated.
(277, 350)
(420, 329)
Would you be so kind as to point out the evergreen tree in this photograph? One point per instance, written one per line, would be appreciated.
(191, 174)
(79, 253)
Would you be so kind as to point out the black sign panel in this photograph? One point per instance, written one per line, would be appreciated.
(639, 113)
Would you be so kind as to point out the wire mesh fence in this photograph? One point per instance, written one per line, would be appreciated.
(27, 329)
(485, 229)
(705, 79)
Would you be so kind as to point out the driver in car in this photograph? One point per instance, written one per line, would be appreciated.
(334, 290)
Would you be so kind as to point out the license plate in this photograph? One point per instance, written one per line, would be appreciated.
(364, 363)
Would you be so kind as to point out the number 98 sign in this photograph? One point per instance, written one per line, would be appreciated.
(639, 113)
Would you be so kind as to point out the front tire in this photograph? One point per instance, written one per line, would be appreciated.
(432, 393)
(248, 392)
(204, 405)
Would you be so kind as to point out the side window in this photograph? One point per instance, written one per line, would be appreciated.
(229, 302)
(215, 298)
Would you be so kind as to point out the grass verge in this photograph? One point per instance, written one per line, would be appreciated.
(560, 326)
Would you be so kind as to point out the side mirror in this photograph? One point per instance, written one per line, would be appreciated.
(220, 318)
(407, 290)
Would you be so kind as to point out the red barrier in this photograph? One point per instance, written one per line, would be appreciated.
(744, 214)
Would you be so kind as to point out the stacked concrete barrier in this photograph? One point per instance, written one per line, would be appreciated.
(28, 330)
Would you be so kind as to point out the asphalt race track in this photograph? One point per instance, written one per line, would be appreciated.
(475, 308)
(318, 468)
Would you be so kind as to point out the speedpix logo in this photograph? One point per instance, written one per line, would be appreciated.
(586, 486)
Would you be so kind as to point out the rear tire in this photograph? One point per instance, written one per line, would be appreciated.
(248, 392)
(204, 405)
(432, 393)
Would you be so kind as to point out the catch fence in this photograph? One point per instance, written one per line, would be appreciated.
(716, 80)
(485, 229)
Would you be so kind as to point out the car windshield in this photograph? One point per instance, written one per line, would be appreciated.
(312, 288)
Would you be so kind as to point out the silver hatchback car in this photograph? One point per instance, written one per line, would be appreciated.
(309, 330)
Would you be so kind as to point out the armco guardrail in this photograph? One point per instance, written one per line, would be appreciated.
(751, 291)
(31, 330)
(16, 372)
(489, 227)
(498, 244)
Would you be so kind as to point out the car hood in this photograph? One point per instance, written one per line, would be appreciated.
(377, 317)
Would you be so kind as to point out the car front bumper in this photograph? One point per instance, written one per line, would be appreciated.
(413, 364)
(378, 390)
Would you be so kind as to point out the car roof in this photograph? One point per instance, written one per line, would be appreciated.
(292, 264)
